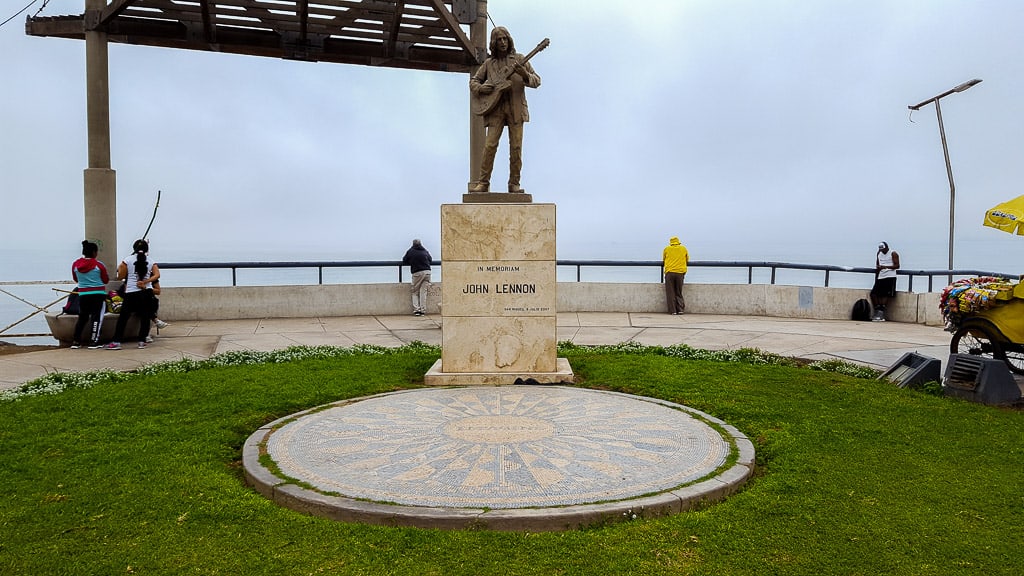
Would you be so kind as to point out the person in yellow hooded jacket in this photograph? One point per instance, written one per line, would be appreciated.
(675, 259)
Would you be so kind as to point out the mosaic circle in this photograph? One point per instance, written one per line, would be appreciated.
(497, 447)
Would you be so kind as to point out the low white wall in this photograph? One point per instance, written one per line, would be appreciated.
(217, 303)
(225, 302)
(928, 311)
(737, 299)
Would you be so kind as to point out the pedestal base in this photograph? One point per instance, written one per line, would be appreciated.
(437, 377)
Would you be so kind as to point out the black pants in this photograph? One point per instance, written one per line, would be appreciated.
(138, 304)
(90, 308)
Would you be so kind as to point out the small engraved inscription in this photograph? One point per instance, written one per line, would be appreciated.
(499, 429)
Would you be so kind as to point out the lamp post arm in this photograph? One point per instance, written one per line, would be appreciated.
(953, 90)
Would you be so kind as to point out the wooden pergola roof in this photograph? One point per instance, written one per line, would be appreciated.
(418, 34)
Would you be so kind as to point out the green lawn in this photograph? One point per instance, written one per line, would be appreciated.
(141, 474)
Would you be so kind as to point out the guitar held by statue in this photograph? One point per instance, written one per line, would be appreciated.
(488, 94)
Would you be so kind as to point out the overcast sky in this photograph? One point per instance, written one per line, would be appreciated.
(751, 129)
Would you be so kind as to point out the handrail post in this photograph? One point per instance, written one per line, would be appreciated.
(234, 278)
(773, 276)
(578, 269)
(826, 277)
(750, 274)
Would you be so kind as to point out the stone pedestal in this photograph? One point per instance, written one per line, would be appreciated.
(499, 296)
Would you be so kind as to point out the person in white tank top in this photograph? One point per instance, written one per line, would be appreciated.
(887, 262)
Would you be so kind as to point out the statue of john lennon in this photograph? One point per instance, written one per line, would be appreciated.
(498, 91)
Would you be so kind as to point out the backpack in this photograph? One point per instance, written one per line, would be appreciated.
(861, 311)
(71, 307)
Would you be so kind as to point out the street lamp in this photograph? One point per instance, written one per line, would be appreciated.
(945, 153)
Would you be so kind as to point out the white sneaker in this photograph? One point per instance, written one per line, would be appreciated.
(149, 339)
(161, 324)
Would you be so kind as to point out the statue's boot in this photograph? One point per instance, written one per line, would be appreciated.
(483, 184)
(515, 168)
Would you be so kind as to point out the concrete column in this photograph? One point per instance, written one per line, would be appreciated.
(100, 180)
(477, 132)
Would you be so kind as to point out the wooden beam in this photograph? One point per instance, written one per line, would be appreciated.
(453, 25)
(303, 14)
(209, 28)
(57, 27)
(113, 10)
(391, 40)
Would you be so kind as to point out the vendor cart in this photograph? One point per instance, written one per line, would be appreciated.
(986, 317)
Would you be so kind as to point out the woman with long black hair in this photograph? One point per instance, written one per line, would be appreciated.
(139, 274)
(92, 279)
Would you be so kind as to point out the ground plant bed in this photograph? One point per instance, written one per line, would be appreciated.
(140, 474)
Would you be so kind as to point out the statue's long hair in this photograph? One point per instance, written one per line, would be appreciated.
(498, 32)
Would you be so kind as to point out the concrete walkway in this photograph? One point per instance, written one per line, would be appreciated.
(876, 344)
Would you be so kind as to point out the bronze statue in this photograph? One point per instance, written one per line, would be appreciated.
(498, 91)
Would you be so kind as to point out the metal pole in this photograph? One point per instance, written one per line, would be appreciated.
(952, 186)
(477, 131)
(945, 153)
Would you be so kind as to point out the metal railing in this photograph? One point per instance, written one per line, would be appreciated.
(579, 265)
(771, 267)
(37, 309)
(320, 266)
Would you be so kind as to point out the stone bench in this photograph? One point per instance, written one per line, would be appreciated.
(62, 326)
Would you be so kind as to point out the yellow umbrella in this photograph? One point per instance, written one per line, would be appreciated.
(1008, 216)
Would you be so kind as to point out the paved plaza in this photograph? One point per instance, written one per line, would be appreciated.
(875, 344)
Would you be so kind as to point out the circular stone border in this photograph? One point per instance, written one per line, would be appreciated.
(300, 494)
